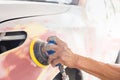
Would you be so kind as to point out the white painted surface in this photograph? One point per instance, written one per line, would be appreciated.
(99, 40)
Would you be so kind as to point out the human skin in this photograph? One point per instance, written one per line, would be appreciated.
(65, 56)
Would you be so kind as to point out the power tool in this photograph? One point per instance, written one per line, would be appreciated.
(40, 57)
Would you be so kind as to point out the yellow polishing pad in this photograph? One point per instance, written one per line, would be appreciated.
(32, 54)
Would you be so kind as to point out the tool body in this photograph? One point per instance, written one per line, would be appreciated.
(40, 58)
(62, 71)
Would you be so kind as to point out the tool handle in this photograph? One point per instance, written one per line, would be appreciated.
(50, 52)
(51, 42)
(61, 68)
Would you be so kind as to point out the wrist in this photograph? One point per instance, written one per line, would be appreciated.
(76, 59)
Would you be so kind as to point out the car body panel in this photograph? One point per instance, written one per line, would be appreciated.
(16, 64)
(99, 41)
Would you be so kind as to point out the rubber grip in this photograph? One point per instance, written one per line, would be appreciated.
(51, 42)
(50, 52)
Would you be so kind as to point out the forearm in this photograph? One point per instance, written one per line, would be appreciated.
(66, 57)
(98, 69)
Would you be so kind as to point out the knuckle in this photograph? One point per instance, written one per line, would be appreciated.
(62, 58)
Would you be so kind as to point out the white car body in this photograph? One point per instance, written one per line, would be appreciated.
(99, 41)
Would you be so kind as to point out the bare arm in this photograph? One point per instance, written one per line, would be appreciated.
(66, 57)
(102, 70)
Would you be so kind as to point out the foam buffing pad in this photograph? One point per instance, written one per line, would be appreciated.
(37, 55)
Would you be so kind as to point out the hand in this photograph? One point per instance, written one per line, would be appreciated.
(62, 55)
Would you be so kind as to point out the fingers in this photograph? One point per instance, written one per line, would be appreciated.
(54, 62)
(60, 48)
(54, 48)
(51, 47)
(56, 39)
